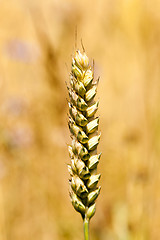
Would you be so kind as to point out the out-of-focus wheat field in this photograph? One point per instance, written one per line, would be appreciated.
(37, 41)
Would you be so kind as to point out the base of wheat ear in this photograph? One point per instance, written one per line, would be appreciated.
(83, 126)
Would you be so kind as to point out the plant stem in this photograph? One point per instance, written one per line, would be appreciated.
(86, 229)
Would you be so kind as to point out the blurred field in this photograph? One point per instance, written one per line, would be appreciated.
(37, 39)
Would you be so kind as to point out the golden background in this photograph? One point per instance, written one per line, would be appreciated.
(37, 40)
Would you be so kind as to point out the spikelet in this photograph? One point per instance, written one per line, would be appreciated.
(83, 126)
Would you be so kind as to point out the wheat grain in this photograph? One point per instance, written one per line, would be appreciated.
(83, 126)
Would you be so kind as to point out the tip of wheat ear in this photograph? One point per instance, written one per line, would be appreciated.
(83, 126)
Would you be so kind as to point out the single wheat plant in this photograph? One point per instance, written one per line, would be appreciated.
(83, 126)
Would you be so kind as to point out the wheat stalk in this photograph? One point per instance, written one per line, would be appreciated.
(83, 126)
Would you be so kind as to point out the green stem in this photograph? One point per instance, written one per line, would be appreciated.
(86, 229)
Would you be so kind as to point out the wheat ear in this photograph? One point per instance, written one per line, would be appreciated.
(83, 126)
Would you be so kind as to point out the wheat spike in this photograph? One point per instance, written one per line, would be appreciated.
(83, 126)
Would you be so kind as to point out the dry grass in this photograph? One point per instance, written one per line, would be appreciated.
(36, 39)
